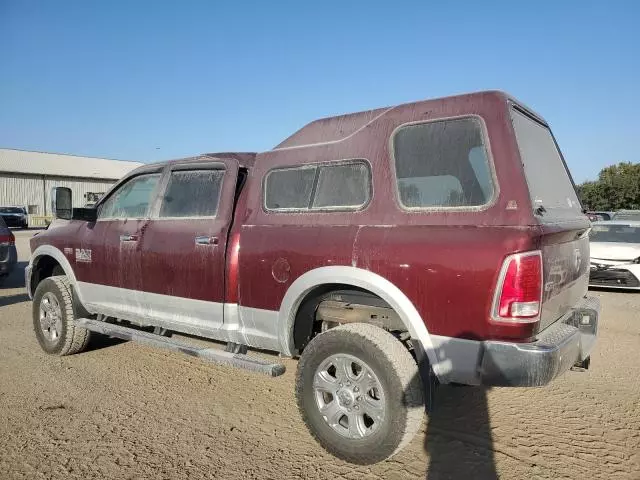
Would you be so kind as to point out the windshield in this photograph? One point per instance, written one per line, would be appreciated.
(615, 233)
(11, 210)
(549, 183)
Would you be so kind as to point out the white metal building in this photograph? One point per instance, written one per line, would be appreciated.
(26, 178)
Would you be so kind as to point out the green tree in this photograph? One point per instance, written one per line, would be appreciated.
(617, 187)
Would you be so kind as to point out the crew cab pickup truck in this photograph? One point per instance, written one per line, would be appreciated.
(440, 241)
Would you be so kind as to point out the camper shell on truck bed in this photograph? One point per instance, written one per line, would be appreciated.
(436, 241)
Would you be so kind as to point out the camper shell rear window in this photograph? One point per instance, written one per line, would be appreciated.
(551, 189)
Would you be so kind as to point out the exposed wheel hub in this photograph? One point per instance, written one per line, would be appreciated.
(345, 397)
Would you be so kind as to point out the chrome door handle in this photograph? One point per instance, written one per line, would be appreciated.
(204, 240)
(128, 238)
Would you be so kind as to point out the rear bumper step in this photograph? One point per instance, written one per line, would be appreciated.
(214, 355)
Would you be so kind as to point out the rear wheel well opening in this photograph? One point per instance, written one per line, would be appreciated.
(45, 267)
(329, 305)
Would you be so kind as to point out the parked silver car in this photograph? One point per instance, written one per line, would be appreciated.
(615, 254)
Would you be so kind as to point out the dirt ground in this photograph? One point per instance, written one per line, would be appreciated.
(125, 411)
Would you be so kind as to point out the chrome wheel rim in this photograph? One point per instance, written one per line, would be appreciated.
(349, 396)
(50, 317)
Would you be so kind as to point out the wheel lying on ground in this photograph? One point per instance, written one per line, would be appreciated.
(53, 318)
(359, 393)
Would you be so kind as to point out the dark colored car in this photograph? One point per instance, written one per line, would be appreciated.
(8, 254)
(434, 242)
(15, 216)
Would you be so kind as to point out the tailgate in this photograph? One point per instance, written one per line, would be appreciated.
(564, 240)
(565, 257)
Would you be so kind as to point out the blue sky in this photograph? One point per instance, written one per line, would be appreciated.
(151, 80)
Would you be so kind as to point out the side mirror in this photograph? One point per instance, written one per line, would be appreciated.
(61, 205)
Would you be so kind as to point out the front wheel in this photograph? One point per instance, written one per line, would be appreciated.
(53, 319)
(359, 393)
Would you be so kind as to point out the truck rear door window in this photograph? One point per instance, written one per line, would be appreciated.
(549, 183)
(340, 186)
(442, 164)
(192, 193)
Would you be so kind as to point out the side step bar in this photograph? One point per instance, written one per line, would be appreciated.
(214, 355)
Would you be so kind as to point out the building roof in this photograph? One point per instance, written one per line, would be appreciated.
(59, 165)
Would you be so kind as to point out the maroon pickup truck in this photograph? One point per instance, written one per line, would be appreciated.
(440, 241)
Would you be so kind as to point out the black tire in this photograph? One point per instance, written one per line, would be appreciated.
(399, 379)
(71, 338)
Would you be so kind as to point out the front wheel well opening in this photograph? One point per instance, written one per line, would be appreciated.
(329, 305)
(44, 267)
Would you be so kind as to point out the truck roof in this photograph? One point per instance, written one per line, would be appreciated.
(245, 159)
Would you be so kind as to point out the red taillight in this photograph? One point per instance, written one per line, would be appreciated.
(7, 239)
(519, 290)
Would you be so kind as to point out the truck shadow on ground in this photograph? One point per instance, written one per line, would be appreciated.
(458, 438)
(98, 342)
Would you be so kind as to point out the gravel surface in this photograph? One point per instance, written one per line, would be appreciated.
(124, 411)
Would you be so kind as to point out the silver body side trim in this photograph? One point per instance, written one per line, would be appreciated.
(259, 328)
(364, 279)
(249, 326)
(151, 308)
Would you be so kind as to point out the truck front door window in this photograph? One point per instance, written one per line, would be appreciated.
(132, 200)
